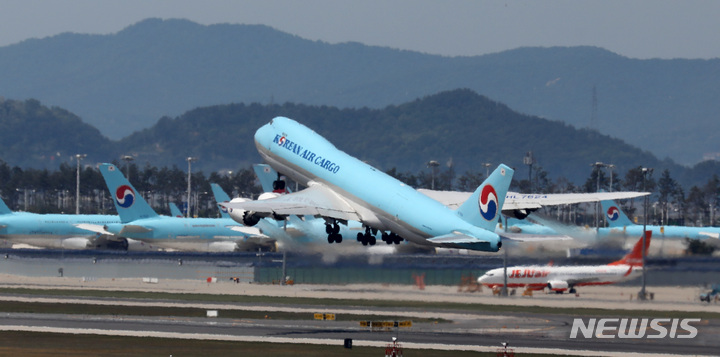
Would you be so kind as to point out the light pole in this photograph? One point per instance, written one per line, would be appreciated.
(77, 189)
(610, 168)
(189, 160)
(487, 168)
(432, 164)
(529, 160)
(597, 166)
(641, 294)
(127, 159)
(25, 196)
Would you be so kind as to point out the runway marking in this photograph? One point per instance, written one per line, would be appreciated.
(315, 341)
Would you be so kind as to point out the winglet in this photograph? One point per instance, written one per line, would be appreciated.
(634, 258)
(615, 217)
(484, 207)
(4, 209)
(220, 196)
(128, 201)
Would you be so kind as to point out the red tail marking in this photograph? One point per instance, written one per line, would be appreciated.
(634, 258)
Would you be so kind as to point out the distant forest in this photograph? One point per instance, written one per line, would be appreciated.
(44, 191)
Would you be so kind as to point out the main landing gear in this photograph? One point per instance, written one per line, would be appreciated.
(368, 237)
(391, 238)
(333, 231)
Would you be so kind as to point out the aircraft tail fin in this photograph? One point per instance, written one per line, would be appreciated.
(634, 258)
(220, 196)
(484, 206)
(4, 209)
(174, 210)
(614, 215)
(269, 179)
(128, 201)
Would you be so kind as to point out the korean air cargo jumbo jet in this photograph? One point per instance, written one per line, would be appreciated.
(560, 279)
(139, 221)
(620, 224)
(342, 188)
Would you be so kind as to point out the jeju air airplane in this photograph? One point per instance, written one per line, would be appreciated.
(560, 279)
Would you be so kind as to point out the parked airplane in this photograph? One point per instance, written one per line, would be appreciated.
(520, 205)
(560, 279)
(139, 221)
(60, 231)
(620, 224)
(342, 188)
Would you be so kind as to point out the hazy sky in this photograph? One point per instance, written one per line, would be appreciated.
(638, 29)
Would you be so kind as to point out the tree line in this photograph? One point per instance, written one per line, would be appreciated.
(45, 191)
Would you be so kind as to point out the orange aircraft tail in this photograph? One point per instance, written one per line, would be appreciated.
(634, 258)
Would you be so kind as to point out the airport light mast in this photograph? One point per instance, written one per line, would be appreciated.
(642, 294)
(597, 166)
(77, 189)
(127, 159)
(189, 160)
(487, 168)
(433, 165)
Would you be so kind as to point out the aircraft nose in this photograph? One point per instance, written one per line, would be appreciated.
(264, 136)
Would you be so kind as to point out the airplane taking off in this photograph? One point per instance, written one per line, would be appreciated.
(620, 224)
(342, 188)
(139, 221)
(560, 279)
(60, 230)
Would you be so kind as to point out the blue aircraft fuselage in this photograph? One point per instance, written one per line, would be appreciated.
(21, 224)
(381, 201)
(663, 232)
(188, 229)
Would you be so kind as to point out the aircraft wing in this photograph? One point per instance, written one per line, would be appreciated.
(455, 238)
(251, 231)
(132, 228)
(519, 201)
(93, 228)
(316, 200)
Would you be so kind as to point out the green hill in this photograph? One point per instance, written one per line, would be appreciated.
(460, 124)
(123, 82)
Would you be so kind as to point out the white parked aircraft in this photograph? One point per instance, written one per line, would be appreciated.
(560, 279)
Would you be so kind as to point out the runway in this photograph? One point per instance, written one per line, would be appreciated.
(466, 329)
(477, 321)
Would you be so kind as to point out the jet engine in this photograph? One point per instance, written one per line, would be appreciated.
(557, 285)
(222, 247)
(76, 243)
